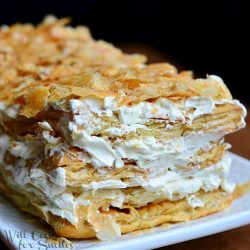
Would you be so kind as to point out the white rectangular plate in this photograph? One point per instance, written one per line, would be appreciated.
(17, 231)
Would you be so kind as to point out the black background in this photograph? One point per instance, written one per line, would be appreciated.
(205, 36)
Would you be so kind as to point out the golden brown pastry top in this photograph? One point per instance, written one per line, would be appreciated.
(51, 50)
(128, 85)
(49, 63)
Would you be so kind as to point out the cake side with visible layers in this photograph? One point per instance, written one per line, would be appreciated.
(98, 151)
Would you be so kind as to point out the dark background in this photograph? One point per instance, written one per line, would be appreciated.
(205, 36)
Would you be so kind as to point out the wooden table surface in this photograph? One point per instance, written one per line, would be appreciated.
(236, 239)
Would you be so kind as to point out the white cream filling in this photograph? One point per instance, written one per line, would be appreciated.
(179, 185)
(99, 149)
(150, 153)
(202, 105)
(142, 112)
(87, 111)
(174, 182)
(146, 152)
(90, 109)
(124, 129)
(63, 204)
(195, 202)
(51, 186)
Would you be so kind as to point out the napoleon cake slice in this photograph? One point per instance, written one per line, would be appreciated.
(117, 149)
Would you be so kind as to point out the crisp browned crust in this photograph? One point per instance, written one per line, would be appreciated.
(50, 62)
(51, 50)
(129, 85)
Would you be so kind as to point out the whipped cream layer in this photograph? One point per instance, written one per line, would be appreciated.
(87, 110)
(52, 188)
(183, 181)
(91, 115)
(98, 127)
(58, 199)
(146, 152)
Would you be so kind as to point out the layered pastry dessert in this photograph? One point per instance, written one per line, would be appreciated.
(117, 146)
